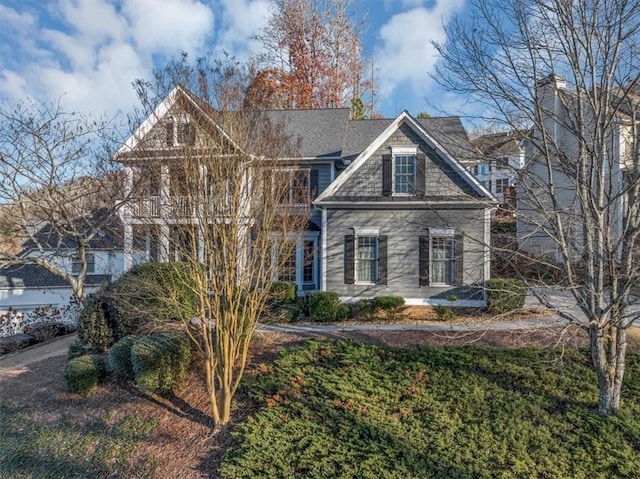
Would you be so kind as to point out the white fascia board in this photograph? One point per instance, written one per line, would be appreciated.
(408, 205)
(453, 162)
(159, 112)
(148, 123)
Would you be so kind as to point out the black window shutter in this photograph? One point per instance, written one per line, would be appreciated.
(313, 184)
(382, 259)
(458, 269)
(386, 175)
(420, 174)
(349, 259)
(423, 260)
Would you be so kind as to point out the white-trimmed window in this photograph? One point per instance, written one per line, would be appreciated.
(442, 255)
(440, 258)
(76, 264)
(180, 132)
(404, 170)
(501, 184)
(365, 257)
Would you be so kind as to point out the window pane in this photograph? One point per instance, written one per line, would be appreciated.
(404, 174)
(288, 268)
(366, 259)
(309, 259)
(441, 260)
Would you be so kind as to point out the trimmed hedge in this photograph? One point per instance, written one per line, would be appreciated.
(120, 357)
(84, 373)
(323, 306)
(160, 362)
(147, 294)
(505, 295)
(282, 292)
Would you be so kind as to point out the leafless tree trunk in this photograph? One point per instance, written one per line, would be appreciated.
(229, 209)
(59, 189)
(565, 75)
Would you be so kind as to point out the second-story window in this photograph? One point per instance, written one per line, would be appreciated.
(76, 264)
(296, 191)
(404, 174)
(180, 132)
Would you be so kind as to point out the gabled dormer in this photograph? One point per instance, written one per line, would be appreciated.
(404, 163)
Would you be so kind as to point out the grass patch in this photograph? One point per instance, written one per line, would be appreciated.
(102, 448)
(354, 410)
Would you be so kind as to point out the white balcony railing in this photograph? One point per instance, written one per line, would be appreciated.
(148, 207)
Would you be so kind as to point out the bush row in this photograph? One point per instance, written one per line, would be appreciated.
(145, 295)
(158, 363)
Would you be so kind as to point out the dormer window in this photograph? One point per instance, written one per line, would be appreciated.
(403, 172)
(180, 132)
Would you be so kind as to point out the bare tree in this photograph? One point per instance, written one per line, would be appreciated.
(568, 71)
(230, 216)
(59, 189)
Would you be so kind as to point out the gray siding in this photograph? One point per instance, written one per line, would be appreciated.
(403, 229)
(440, 181)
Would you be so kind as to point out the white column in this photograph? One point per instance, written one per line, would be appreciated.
(128, 246)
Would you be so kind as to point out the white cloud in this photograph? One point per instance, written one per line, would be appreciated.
(243, 19)
(89, 52)
(405, 56)
(169, 26)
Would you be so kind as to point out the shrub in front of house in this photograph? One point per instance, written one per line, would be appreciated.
(505, 295)
(151, 294)
(390, 305)
(287, 313)
(325, 306)
(160, 362)
(84, 373)
(143, 298)
(95, 327)
(119, 358)
(282, 292)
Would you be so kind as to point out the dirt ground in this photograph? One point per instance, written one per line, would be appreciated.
(184, 444)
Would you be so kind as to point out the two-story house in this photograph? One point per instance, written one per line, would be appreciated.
(392, 211)
(573, 148)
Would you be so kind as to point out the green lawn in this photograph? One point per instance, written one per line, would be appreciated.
(354, 410)
(102, 448)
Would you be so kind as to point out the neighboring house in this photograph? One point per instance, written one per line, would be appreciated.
(502, 156)
(25, 286)
(394, 210)
(536, 208)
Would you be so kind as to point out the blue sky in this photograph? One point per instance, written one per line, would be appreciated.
(88, 52)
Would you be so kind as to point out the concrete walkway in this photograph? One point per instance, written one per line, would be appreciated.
(38, 352)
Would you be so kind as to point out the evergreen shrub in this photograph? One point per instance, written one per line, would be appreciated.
(160, 362)
(84, 373)
(505, 295)
(119, 358)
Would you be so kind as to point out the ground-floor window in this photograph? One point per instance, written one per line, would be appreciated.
(366, 259)
(301, 266)
(440, 258)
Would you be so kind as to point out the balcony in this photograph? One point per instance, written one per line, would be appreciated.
(148, 207)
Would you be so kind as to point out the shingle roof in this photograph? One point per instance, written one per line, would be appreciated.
(110, 236)
(498, 144)
(35, 276)
(320, 132)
